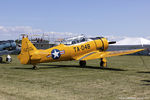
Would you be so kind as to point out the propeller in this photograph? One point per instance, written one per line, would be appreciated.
(112, 42)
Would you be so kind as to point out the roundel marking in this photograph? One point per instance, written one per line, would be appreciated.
(55, 54)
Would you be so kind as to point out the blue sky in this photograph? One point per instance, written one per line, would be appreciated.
(91, 17)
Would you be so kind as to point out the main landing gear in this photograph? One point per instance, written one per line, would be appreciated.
(103, 63)
(34, 67)
(82, 63)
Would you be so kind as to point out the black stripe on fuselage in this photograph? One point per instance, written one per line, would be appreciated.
(102, 44)
(101, 41)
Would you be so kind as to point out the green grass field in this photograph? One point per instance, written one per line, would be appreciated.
(126, 78)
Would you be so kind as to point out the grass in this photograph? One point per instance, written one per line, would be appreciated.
(125, 78)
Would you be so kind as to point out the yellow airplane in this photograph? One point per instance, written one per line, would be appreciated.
(77, 48)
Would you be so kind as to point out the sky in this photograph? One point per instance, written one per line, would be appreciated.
(111, 18)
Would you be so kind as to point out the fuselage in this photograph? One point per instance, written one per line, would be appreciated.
(68, 52)
(7, 45)
(80, 49)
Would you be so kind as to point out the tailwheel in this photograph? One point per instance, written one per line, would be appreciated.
(103, 63)
(34, 67)
(82, 63)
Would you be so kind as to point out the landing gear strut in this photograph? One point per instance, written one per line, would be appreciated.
(34, 67)
(82, 63)
(103, 63)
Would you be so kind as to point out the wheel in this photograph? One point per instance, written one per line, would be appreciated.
(34, 67)
(103, 63)
(1, 59)
(82, 63)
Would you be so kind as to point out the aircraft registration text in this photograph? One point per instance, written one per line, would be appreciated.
(82, 47)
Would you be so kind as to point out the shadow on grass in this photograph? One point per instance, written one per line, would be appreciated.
(75, 66)
(71, 66)
(144, 72)
(3, 62)
(147, 82)
(26, 68)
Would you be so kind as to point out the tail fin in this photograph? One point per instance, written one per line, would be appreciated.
(26, 49)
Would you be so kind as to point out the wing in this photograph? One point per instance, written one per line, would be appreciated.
(6, 52)
(98, 54)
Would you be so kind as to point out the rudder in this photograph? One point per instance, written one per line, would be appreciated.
(26, 49)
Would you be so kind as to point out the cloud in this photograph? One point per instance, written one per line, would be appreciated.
(13, 32)
(110, 37)
(148, 37)
(115, 38)
(59, 33)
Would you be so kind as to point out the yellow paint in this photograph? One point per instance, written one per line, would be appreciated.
(104, 62)
(88, 50)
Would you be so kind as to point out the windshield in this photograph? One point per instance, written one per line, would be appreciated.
(74, 40)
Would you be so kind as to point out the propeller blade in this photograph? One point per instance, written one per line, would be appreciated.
(112, 42)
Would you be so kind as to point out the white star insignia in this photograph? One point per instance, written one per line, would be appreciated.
(55, 54)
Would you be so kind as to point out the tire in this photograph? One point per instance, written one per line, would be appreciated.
(34, 68)
(82, 63)
(102, 64)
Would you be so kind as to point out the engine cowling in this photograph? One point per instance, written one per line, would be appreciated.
(101, 43)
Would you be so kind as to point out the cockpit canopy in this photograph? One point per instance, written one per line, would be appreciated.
(74, 40)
